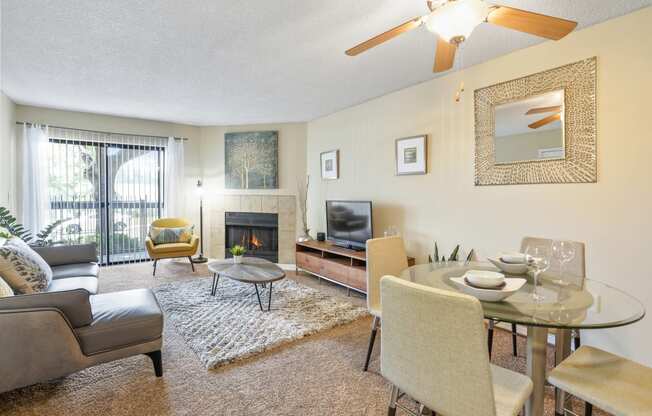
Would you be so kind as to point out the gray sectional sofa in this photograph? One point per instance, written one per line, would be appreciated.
(70, 326)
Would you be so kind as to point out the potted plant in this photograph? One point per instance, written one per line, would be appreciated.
(237, 252)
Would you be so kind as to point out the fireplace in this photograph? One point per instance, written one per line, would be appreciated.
(257, 232)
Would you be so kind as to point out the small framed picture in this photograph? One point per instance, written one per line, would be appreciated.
(330, 164)
(411, 155)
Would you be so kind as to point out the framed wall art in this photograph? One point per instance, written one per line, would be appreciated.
(330, 164)
(411, 155)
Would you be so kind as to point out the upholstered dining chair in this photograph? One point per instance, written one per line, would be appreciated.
(574, 273)
(433, 349)
(611, 383)
(385, 255)
(172, 250)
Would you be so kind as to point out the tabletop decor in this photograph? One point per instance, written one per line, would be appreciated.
(497, 294)
(510, 263)
(229, 327)
(302, 188)
(330, 164)
(238, 252)
(454, 256)
(411, 155)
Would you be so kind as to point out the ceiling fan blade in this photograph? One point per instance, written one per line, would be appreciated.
(444, 56)
(539, 110)
(544, 121)
(530, 22)
(384, 37)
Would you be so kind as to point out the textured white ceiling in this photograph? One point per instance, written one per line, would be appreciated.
(225, 62)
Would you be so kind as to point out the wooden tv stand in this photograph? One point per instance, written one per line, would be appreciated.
(340, 265)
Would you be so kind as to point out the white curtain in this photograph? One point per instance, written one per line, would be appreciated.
(174, 177)
(34, 201)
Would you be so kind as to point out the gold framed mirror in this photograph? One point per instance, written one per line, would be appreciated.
(538, 129)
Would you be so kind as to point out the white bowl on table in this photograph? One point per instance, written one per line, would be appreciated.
(512, 285)
(509, 268)
(484, 278)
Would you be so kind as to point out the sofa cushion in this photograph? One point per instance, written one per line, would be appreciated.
(68, 254)
(161, 235)
(90, 284)
(172, 248)
(121, 319)
(75, 270)
(5, 289)
(22, 268)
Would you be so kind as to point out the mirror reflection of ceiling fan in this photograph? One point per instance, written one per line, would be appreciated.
(555, 109)
(453, 21)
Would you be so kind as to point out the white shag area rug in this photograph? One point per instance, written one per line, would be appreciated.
(230, 326)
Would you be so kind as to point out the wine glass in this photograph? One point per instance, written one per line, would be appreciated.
(563, 252)
(538, 260)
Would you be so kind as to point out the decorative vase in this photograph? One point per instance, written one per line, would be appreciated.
(237, 259)
(305, 237)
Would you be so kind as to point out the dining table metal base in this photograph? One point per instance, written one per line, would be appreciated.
(537, 343)
(562, 351)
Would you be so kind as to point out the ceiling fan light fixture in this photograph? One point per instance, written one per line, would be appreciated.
(455, 20)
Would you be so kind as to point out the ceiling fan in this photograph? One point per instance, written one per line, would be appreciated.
(453, 22)
(556, 115)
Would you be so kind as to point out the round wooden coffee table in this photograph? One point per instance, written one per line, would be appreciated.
(252, 270)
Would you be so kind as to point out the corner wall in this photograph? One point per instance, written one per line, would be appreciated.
(292, 167)
(611, 216)
(8, 163)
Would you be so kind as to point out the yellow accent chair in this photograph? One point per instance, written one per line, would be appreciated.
(171, 250)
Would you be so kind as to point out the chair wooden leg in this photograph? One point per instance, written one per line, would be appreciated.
(490, 336)
(155, 356)
(514, 340)
(191, 264)
(154, 272)
(588, 409)
(393, 398)
(372, 338)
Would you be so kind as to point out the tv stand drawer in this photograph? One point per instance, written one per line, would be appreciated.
(309, 261)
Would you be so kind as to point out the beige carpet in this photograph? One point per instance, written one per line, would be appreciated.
(318, 375)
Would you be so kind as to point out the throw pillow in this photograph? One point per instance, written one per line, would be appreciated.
(171, 235)
(5, 289)
(22, 268)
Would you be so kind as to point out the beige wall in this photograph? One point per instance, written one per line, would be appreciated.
(127, 125)
(7, 146)
(291, 165)
(611, 216)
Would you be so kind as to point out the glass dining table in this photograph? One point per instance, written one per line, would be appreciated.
(587, 304)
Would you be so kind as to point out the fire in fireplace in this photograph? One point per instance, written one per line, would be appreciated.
(257, 232)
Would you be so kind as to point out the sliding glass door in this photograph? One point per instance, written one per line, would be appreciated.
(107, 192)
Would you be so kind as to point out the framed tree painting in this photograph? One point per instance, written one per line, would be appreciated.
(411, 155)
(330, 164)
(251, 160)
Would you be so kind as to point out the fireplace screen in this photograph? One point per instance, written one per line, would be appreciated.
(256, 232)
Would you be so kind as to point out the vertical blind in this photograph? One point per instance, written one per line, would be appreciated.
(106, 188)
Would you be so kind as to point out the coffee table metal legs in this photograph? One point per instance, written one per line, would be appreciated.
(269, 299)
(216, 280)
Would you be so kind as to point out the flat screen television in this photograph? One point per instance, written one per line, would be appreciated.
(348, 223)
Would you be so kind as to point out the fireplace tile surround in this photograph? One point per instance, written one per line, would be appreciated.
(283, 205)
